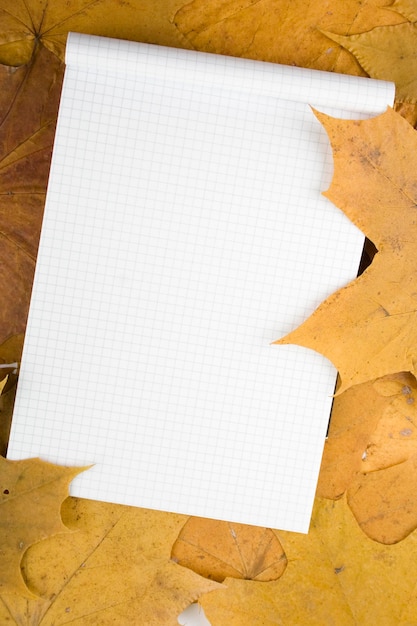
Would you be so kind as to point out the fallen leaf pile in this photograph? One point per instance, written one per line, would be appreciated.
(106, 564)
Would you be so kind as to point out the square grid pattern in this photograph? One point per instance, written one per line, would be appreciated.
(184, 231)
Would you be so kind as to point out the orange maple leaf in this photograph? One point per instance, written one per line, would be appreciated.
(369, 328)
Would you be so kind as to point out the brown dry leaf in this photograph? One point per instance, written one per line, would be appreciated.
(114, 569)
(407, 8)
(11, 349)
(31, 496)
(7, 399)
(368, 329)
(408, 111)
(26, 23)
(217, 549)
(3, 383)
(281, 31)
(335, 576)
(29, 99)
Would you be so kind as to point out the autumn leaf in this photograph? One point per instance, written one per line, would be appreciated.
(394, 440)
(28, 23)
(371, 454)
(115, 568)
(368, 328)
(31, 495)
(388, 53)
(382, 494)
(29, 99)
(280, 31)
(407, 8)
(335, 575)
(217, 549)
(384, 503)
(10, 356)
(355, 415)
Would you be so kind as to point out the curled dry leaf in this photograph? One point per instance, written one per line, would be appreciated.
(368, 329)
(31, 495)
(217, 550)
(328, 579)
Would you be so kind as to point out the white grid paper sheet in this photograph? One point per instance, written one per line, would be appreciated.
(185, 231)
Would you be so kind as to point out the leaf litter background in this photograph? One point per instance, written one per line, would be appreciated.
(110, 564)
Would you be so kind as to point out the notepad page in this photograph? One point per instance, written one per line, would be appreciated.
(185, 231)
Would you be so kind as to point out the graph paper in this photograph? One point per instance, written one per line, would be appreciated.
(184, 232)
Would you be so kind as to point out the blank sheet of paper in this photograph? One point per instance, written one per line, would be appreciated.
(185, 231)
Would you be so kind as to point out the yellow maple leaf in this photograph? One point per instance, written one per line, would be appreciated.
(31, 495)
(115, 569)
(335, 575)
(369, 328)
